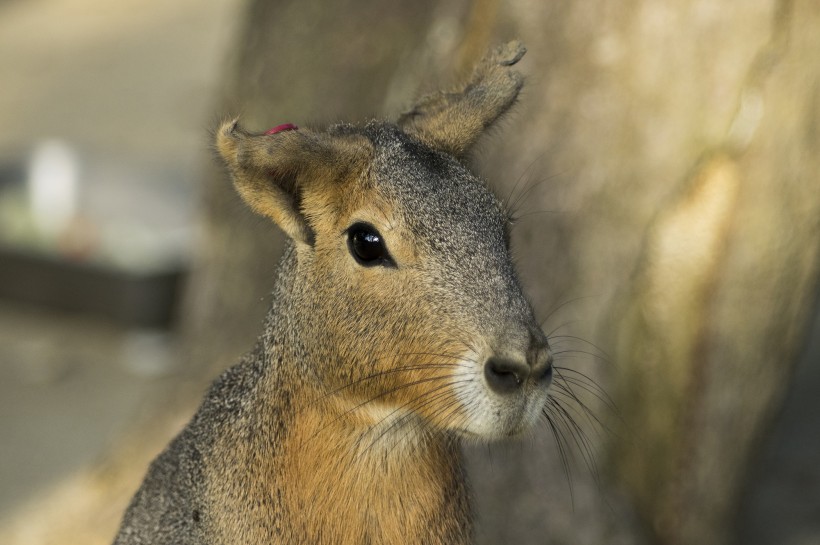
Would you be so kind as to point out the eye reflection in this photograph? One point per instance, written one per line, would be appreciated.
(367, 246)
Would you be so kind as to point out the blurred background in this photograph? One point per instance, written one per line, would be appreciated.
(107, 109)
(663, 158)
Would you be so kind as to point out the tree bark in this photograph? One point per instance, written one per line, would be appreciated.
(682, 136)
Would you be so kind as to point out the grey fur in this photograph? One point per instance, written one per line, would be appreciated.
(222, 479)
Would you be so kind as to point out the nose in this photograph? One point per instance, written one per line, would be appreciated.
(507, 375)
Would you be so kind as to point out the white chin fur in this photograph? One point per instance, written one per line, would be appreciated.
(488, 415)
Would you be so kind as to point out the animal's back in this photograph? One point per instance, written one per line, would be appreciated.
(172, 506)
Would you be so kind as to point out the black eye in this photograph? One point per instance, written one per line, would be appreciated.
(367, 246)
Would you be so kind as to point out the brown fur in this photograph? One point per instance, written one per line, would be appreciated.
(342, 425)
(453, 121)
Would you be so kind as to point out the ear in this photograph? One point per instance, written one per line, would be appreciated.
(272, 170)
(453, 121)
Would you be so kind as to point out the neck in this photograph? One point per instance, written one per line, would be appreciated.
(347, 473)
(368, 484)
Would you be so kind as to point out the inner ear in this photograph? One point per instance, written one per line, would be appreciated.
(274, 171)
(453, 121)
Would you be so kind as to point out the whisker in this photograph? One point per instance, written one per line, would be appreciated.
(436, 390)
(451, 402)
(416, 367)
(602, 397)
(519, 217)
(562, 305)
(374, 398)
(506, 203)
(567, 386)
(446, 411)
(576, 338)
(585, 412)
(380, 374)
(549, 335)
(400, 421)
(589, 386)
(562, 452)
(533, 185)
(592, 354)
(581, 440)
(450, 406)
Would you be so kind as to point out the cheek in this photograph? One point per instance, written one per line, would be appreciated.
(374, 335)
(378, 320)
(355, 311)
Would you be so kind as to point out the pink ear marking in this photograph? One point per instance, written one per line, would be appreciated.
(282, 127)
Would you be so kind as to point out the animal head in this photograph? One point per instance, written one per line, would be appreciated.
(406, 297)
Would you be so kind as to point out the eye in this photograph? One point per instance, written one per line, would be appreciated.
(366, 245)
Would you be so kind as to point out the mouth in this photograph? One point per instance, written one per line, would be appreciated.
(500, 427)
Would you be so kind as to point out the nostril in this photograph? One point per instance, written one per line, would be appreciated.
(543, 373)
(505, 376)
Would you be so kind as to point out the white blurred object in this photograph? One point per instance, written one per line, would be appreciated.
(148, 353)
(53, 187)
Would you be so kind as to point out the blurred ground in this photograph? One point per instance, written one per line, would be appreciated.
(68, 384)
(131, 85)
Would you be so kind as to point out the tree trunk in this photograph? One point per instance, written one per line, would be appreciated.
(682, 139)
(663, 160)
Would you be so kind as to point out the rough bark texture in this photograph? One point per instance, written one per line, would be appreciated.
(664, 161)
(683, 135)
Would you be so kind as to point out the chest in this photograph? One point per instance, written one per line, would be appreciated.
(352, 496)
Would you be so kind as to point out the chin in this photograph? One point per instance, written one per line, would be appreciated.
(494, 425)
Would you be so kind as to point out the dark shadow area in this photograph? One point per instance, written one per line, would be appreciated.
(782, 505)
